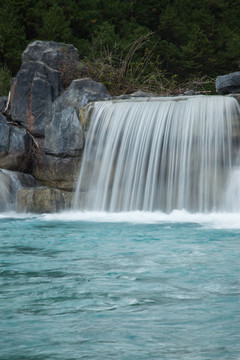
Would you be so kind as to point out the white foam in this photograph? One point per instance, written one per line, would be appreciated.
(17, 216)
(211, 220)
(215, 220)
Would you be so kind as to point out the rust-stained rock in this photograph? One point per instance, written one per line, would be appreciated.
(35, 87)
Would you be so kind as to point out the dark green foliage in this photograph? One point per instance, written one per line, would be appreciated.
(55, 26)
(189, 38)
(5, 77)
(12, 36)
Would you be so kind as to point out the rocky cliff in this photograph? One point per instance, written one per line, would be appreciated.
(41, 132)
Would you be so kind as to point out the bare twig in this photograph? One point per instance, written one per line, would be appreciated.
(8, 103)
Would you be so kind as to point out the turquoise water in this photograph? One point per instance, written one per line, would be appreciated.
(120, 286)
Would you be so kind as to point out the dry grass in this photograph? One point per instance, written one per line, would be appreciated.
(134, 68)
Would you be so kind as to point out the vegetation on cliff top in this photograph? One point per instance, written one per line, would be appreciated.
(189, 39)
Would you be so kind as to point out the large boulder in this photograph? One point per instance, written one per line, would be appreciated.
(14, 146)
(228, 84)
(59, 56)
(35, 87)
(64, 134)
(81, 92)
(43, 200)
(54, 54)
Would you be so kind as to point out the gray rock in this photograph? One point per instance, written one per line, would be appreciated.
(57, 172)
(4, 135)
(53, 54)
(228, 84)
(189, 93)
(140, 93)
(3, 103)
(35, 87)
(136, 94)
(64, 134)
(81, 92)
(14, 145)
(122, 97)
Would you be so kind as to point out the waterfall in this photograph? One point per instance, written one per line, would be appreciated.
(159, 154)
(9, 185)
(232, 196)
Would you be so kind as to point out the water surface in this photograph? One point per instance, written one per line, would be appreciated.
(119, 286)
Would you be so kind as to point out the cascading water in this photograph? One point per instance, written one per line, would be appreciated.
(232, 195)
(9, 185)
(159, 154)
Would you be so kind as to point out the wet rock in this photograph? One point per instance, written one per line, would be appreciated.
(228, 84)
(43, 200)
